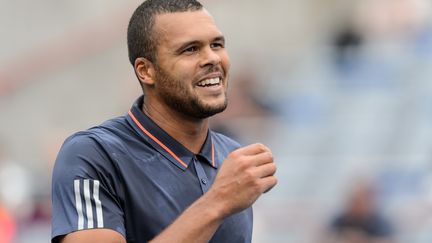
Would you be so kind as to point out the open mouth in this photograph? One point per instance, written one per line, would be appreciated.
(209, 82)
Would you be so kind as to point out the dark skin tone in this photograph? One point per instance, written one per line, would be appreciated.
(189, 45)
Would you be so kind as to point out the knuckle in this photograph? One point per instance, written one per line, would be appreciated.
(249, 174)
(264, 148)
(269, 156)
(274, 167)
(242, 162)
(256, 186)
(261, 146)
(234, 154)
(275, 180)
(272, 170)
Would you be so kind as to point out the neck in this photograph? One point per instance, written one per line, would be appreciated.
(190, 132)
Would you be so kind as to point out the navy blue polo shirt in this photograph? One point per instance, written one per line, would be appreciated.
(130, 176)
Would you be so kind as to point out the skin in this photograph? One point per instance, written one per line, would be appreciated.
(191, 49)
(191, 46)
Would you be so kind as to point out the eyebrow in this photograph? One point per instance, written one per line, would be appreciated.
(195, 42)
(220, 38)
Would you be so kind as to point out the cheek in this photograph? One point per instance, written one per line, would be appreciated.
(226, 63)
(183, 71)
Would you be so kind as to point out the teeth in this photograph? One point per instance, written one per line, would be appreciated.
(210, 81)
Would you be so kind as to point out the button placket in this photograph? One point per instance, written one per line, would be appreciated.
(202, 177)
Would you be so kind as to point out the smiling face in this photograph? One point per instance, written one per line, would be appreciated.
(191, 66)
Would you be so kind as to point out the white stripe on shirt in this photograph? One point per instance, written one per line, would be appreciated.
(89, 209)
(78, 204)
(98, 204)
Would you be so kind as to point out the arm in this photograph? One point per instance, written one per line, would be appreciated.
(95, 235)
(81, 181)
(244, 175)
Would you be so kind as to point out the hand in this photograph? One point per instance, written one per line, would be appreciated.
(244, 175)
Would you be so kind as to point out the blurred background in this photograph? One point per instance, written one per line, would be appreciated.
(337, 88)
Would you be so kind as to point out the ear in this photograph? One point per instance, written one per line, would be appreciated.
(144, 70)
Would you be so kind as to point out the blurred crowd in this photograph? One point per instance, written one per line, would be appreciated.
(348, 116)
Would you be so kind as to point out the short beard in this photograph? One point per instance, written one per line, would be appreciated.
(177, 97)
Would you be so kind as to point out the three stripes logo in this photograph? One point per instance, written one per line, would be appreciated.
(88, 204)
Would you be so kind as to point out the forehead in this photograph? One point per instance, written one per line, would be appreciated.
(181, 27)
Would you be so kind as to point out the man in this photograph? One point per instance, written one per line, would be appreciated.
(158, 173)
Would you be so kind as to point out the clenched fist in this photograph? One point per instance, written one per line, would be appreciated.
(244, 175)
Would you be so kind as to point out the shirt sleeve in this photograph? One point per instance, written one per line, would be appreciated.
(84, 194)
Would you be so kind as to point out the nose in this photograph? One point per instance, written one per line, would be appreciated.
(210, 57)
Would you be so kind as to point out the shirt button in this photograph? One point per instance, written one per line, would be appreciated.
(204, 181)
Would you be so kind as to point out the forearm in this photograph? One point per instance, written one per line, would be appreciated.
(244, 175)
(197, 223)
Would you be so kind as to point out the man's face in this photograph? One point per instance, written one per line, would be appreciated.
(191, 66)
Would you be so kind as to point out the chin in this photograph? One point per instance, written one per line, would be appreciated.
(216, 106)
(208, 110)
(215, 101)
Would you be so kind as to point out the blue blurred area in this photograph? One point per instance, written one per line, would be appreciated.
(340, 90)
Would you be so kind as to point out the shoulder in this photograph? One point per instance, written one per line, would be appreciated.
(111, 134)
(83, 142)
(113, 130)
(92, 148)
(80, 156)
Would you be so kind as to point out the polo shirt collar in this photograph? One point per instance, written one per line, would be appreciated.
(164, 143)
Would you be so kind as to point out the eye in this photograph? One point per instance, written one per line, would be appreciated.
(190, 50)
(217, 45)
